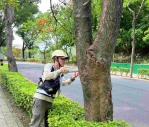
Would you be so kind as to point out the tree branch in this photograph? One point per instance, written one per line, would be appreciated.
(65, 3)
(143, 1)
(56, 18)
(129, 7)
(135, 17)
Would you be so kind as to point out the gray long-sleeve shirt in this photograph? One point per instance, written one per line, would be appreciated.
(48, 75)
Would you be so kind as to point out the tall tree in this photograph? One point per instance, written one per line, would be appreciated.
(29, 33)
(9, 20)
(2, 26)
(29, 9)
(63, 32)
(135, 16)
(44, 43)
(9, 17)
(123, 44)
(94, 57)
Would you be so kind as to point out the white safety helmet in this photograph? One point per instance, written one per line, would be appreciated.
(59, 53)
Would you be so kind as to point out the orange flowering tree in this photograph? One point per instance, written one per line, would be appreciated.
(16, 52)
(44, 25)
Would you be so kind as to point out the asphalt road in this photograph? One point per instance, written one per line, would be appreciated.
(130, 96)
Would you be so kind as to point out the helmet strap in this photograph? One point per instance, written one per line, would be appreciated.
(56, 58)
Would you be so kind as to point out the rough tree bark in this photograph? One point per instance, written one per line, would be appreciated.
(2, 40)
(94, 59)
(9, 20)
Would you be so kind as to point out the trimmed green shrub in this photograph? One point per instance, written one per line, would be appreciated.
(21, 89)
(67, 113)
(124, 71)
(114, 70)
(64, 112)
(143, 73)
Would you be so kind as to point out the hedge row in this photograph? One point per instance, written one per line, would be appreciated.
(64, 112)
(21, 88)
(122, 71)
(141, 73)
(33, 60)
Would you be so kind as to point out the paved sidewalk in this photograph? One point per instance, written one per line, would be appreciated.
(8, 117)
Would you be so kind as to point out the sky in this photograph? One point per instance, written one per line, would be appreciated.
(43, 7)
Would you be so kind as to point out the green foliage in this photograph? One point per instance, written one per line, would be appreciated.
(125, 37)
(65, 113)
(122, 71)
(64, 29)
(25, 13)
(146, 37)
(21, 88)
(3, 68)
(143, 73)
(13, 3)
(24, 10)
(29, 33)
(96, 10)
(114, 70)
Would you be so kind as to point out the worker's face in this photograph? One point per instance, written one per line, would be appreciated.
(62, 61)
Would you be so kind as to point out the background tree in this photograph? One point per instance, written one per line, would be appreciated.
(29, 33)
(63, 30)
(59, 27)
(135, 16)
(44, 43)
(94, 57)
(25, 13)
(65, 36)
(2, 26)
(123, 44)
(9, 20)
(7, 12)
(34, 29)
(146, 24)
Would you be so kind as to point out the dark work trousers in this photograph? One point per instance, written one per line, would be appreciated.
(40, 113)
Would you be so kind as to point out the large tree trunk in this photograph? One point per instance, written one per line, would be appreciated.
(9, 20)
(94, 59)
